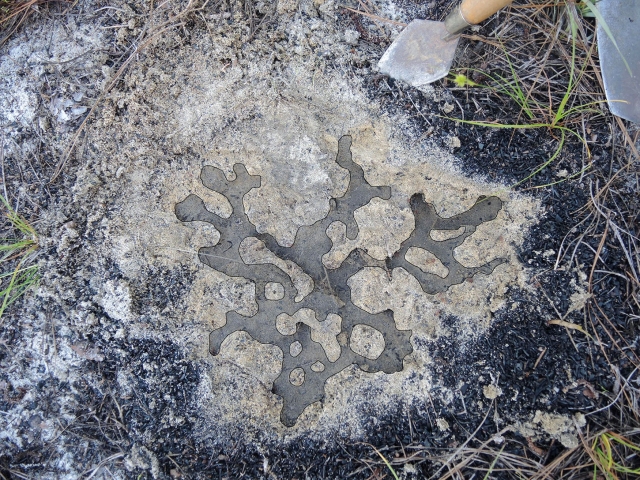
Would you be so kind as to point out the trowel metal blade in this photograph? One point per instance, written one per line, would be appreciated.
(419, 55)
(621, 86)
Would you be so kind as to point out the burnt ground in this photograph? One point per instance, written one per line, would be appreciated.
(540, 366)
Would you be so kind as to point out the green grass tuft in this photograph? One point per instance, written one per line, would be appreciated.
(562, 119)
(609, 451)
(16, 278)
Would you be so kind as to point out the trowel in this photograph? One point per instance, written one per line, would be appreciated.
(620, 56)
(423, 52)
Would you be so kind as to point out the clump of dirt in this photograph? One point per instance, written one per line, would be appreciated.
(559, 427)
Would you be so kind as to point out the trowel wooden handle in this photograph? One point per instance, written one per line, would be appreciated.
(475, 11)
(472, 12)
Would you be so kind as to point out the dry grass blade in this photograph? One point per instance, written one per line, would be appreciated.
(376, 17)
(95, 470)
(573, 326)
(461, 449)
(13, 13)
(488, 460)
